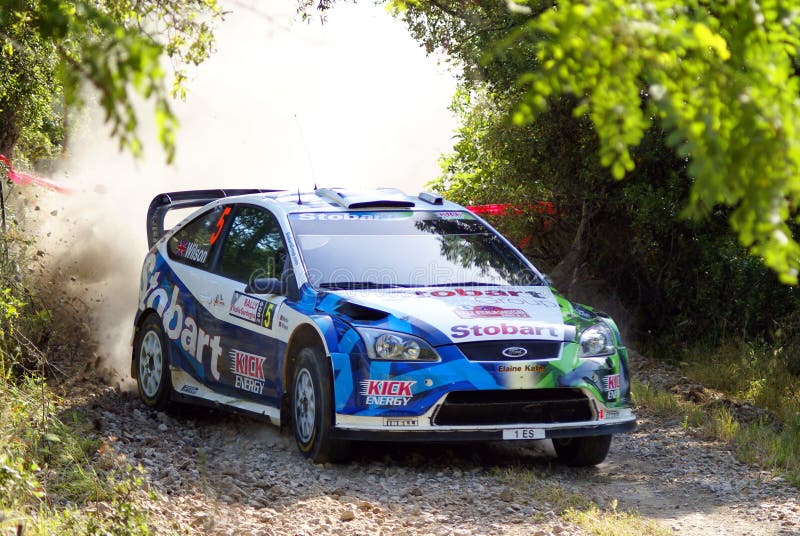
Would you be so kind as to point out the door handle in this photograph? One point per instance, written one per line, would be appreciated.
(204, 299)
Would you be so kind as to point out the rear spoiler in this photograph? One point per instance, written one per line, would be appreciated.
(163, 203)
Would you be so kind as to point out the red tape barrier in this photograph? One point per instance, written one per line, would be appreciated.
(24, 179)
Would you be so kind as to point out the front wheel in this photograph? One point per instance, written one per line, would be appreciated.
(152, 364)
(312, 409)
(582, 451)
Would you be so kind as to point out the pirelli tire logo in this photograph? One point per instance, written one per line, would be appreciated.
(387, 392)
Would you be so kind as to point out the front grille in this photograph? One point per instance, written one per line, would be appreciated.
(518, 406)
(493, 350)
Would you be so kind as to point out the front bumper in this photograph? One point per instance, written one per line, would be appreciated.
(419, 429)
(481, 435)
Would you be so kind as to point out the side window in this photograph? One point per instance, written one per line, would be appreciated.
(253, 247)
(192, 244)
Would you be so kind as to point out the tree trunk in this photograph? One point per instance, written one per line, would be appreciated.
(566, 271)
(9, 129)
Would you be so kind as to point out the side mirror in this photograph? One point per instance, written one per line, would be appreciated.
(264, 285)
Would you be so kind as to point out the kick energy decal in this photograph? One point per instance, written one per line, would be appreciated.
(248, 369)
(611, 386)
(387, 392)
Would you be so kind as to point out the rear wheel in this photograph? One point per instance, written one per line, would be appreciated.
(312, 409)
(582, 451)
(152, 364)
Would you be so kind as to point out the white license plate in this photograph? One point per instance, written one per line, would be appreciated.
(523, 433)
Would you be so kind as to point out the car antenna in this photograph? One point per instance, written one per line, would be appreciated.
(308, 153)
(300, 201)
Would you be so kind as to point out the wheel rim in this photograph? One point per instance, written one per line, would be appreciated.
(304, 406)
(151, 364)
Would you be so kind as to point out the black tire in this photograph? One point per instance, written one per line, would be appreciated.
(582, 451)
(151, 362)
(312, 409)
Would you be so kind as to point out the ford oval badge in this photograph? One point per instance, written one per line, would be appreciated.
(515, 352)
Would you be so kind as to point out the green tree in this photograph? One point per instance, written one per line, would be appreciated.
(682, 279)
(719, 77)
(49, 48)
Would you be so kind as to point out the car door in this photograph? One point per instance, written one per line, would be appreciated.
(252, 247)
(196, 347)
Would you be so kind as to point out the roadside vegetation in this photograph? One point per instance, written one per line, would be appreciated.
(56, 476)
(757, 408)
(576, 508)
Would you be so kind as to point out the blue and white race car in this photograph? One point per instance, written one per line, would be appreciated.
(370, 316)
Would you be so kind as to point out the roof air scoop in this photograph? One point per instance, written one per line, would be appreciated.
(432, 198)
(352, 200)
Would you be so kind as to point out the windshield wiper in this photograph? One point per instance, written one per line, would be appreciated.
(466, 284)
(480, 284)
(358, 285)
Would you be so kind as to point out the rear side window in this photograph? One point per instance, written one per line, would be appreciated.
(254, 246)
(193, 243)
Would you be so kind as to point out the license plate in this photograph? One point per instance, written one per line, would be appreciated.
(523, 433)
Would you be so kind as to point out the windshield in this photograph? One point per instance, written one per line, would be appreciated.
(386, 249)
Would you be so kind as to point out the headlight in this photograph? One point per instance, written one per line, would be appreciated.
(394, 346)
(596, 340)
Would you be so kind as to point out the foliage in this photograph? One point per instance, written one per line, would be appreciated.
(495, 161)
(575, 507)
(681, 279)
(613, 523)
(48, 48)
(582, 81)
(773, 446)
(54, 471)
(758, 374)
(51, 470)
(719, 77)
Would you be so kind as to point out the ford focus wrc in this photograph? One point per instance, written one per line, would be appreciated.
(370, 316)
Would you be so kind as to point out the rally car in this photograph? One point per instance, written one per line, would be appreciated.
(370, 316)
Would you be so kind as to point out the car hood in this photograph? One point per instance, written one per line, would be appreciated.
(462, 314)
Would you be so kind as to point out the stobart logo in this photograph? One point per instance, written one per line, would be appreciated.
(549, 332)
(472, 293)
(177, 325)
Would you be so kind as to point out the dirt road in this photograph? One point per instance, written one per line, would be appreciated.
(214, 473)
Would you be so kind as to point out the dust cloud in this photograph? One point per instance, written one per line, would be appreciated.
(282, 104)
